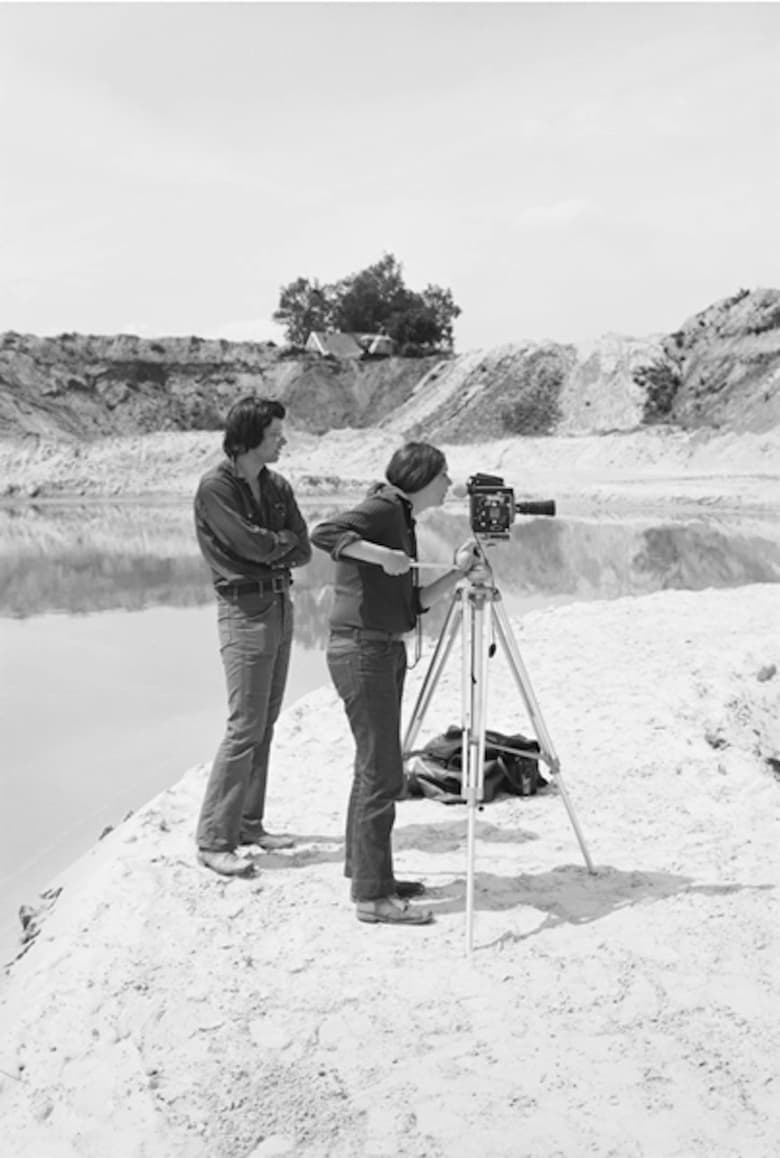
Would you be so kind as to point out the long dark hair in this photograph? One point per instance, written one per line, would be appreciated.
(247, 421)
(414, 465)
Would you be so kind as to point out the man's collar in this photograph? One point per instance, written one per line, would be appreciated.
(397, 491)
(402, 496)
(231, 463)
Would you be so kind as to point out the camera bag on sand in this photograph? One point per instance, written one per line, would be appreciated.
(510, 767)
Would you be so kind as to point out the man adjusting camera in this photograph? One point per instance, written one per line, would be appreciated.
(378, 599)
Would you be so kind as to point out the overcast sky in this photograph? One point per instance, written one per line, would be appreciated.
(565, 169)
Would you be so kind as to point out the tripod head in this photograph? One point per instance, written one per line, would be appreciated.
(481, 574)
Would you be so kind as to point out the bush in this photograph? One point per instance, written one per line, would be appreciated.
(660, 380)
(536, 407)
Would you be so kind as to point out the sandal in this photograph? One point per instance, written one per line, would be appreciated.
(391, 911)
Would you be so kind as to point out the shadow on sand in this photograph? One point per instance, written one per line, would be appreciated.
(566, 894)
(570, 895)
(310, 848)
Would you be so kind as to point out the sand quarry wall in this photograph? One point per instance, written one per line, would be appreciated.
(719, 371)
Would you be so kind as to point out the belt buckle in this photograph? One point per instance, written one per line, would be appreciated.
(277, 584)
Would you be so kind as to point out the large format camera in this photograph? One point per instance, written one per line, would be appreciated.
(493, 506)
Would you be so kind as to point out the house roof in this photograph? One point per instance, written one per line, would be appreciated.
(342, 345)
(337, 344)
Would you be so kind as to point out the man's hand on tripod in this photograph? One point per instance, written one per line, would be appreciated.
(467, 556)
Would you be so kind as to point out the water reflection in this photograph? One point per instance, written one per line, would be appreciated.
(100, 557)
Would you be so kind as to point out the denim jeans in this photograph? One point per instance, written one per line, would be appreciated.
(368, 674)
(255, 637)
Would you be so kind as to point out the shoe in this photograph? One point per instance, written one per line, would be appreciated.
(391, 911)
(227, 864)
(406, 889)
(267, 840)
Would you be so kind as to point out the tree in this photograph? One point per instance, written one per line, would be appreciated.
(373, 301)
(442, 306)
(304, 306)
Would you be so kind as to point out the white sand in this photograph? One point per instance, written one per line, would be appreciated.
(162, 1012)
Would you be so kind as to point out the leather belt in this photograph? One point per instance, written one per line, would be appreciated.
(367, 633)
(272, 585)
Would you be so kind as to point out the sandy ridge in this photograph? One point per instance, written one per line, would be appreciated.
(650, 466)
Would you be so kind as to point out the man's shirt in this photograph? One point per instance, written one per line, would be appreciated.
(243, 540)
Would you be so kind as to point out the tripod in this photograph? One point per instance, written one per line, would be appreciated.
(475, 600)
